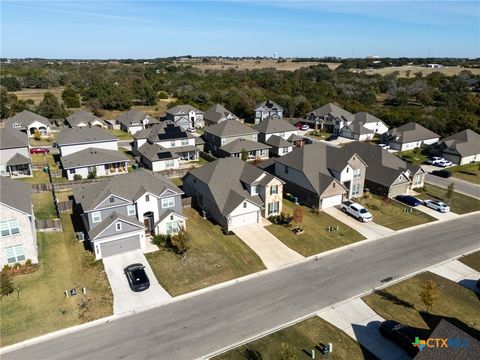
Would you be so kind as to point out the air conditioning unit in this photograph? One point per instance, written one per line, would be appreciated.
(80, 236)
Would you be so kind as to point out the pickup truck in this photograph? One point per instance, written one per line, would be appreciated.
(357, 211)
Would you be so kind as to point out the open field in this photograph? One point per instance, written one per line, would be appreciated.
(37, 94)
(403, 70)
(42, 306)
(255, 64)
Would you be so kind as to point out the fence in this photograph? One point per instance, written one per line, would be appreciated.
(174, 173)
(206, 156)
(48, 225)
(64, 206)
(63, 186)
(187, 202)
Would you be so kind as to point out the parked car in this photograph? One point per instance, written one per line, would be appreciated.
(305, 127)
(442, 173)
(39, 151)
(409, 200)
(307, 141)
(444, 163)
(384, 146)
(435, 160)
(332, 137)
(137, 278)
(402, 335)
(437, 205)
(357, 211)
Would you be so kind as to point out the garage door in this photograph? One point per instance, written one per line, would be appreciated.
(120, 246)
(400, 189)
(331, 201)
(242, 220)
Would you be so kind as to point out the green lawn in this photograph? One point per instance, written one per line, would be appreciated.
(401, 302)
(213, 258)
(44, 158)
(121, 135)
(301, 338)
(315, 238)
(42, 306)
(177, 181)
(472, 260)
(415, 156)
(469, 172)
(44, 141)
(44, 206)
(39, 177)
(391, 213)
(459, 203)
(318, 134)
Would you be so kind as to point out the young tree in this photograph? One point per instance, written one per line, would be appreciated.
(37, 135)
(287, 352)
(297, 215)
(181, 242)
(50, 107)
(429, 294)
(450, 190)
(6, 283)
(244, 154)
(70, 98)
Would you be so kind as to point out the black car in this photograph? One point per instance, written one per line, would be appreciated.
(307, 141)
(137, 278)
(478, 284)
(442, 173)
(401, 335)
(332, 137)
(409, 200)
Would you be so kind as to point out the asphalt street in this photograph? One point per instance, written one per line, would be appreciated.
(461, 186)
(204, 323)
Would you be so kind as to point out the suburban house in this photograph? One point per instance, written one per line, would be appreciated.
(234, 193)
(14, 153)
(17, 225)
(29, 122)
(276, 132)
(84, 119)
(325, 117)
(217, 114)
(409, 136)
(320, 175)
(119, 214)
(226, 132)
(135, 120)
(90, 151)
(462, 147)
(362, 126)
(253, 149)
(186, 116)
(266, 109)
(386, 174)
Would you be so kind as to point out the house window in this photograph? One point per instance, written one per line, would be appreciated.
(96, 217)
(172, 143)
(171, 227)
(147, 198)
(273, 208)
(224, 141)
(169, 163)
(184, 142)
(356, 189)
(71, 171)
(357, 173)
(348, 169)
(131, 210)
(274, 190)
(286, 169)
(168, 202)
(245, 205)
(118, 226)
(14, 254)
(418, 180)
(112, 199)
(2, 169)
(254, 190)
(9, 227)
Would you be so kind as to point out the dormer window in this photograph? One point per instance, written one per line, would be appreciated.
(245, 205)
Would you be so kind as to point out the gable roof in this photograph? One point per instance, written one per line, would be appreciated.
(82, 117)
(128, 186)
(135, 117)
(274, 124)
(18, 159)
(82, 135)
(238, 145)
(163, 131)
(218, 113)
(466, 142)
(12, 138)
(182, 109)
(270, 105)
(16, 194)
(92, 156)
(411, 132)
(155, 152)
(230, 128)
(25, 118)
(109, 220)
(278, 142)
(330, 109)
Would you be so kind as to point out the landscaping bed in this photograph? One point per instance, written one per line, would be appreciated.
(212, 258)
(459, 203)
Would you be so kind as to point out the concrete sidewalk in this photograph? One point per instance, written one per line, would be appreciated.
(361, 323)
(458, 272)
(370, 230)
(272, 251)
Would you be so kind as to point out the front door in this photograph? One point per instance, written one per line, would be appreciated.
(148, 222)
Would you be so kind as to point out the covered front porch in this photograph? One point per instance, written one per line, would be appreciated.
(186, 153)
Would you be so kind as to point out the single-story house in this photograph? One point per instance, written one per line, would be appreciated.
(29, 122)
(135, 120)
(14, 153)
(255, 150)
(462, 147)
(217, 114)
(84, 119)
(409, 136)
(72, 140)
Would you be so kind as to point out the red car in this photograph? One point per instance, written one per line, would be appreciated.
(39, 151)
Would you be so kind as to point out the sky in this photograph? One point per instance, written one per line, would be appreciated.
(150, 29)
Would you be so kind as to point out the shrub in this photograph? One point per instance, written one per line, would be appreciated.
(92, 175)
(6, 283)
(37, 135)
(162, 95)
(28, 262)
(77, 177)
(6, 268)
(178, 243)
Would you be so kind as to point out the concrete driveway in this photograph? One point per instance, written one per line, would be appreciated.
(370, 230)
(124, 299)
(437, 214)
(458, 272)
(361, 323)
(272, 251)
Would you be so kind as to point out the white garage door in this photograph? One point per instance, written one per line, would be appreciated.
(242, 220)
(331, 201)
(120, 246)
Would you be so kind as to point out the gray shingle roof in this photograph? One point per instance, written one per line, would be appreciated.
(84, 135)
(182, 109)
(466, 142)
(238, 145)
(278, 142)
(109, 220)
(155, 152)
(16, 194)
(92, 156)
(218, 113)
(165, 130)
(18, 159)
(412, 132)
(129, 186)
(82, 117)
(270, 105)
(294, 138)
(230, 128)
(12, 138)
(25, 118)
(135, 117)
(274, 124)
(330, 109)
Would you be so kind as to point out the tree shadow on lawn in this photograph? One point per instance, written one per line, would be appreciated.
(394, 299)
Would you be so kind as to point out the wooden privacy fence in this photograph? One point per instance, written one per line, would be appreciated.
(187, 202)
(48, 225)
(64, 206)
(207, 156)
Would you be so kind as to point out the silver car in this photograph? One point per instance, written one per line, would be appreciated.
(437, 205)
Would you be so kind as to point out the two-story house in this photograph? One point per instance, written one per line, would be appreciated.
(29, 123)
(84, 119)
(121, 213)
(185, 116)
(362, 126)
(234, 193)
(328, 117)
(409, 136)
(135, 120)
(90, 150)
(278, 133)
(17, 223)
(266, 109)
(14, 153)
(217, 114)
